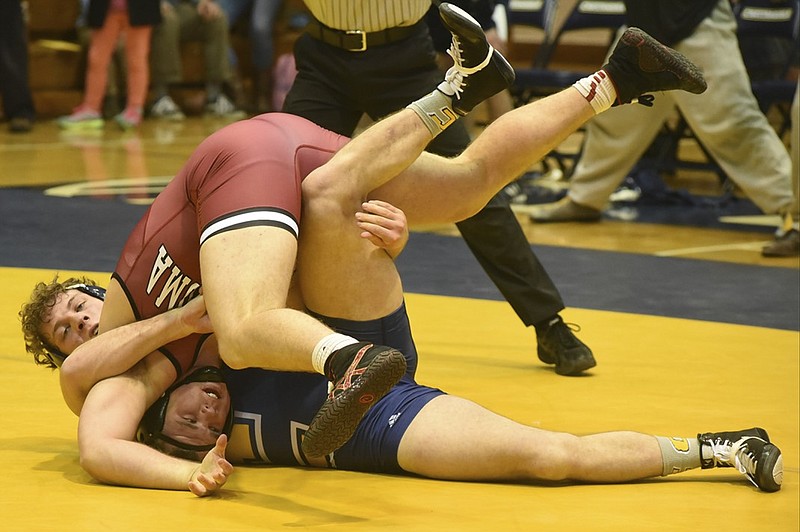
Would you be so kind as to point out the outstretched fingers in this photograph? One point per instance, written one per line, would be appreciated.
(213, 472)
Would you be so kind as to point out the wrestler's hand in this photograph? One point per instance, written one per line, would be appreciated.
(213, 472)
(384, 225)
(195, 317)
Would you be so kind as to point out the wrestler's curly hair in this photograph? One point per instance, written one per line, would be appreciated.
(35, 312)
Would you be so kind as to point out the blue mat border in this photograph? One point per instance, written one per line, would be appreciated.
(39, 231)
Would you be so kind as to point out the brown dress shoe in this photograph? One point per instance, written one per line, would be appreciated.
(787, 245)
(564, 210)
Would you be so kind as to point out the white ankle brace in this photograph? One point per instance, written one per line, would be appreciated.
(326, 347)
(599, 91)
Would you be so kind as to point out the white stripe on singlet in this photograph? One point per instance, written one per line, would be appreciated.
(264, 217)
(368, 15)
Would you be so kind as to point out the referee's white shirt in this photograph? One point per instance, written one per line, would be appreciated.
(368, 15)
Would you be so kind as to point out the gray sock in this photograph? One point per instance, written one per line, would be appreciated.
(435, 110)
(679, 454)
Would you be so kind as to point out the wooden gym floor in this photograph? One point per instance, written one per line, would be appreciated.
(693, 331)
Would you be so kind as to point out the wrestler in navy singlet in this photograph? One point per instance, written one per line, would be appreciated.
(247, 173)
(273, 409)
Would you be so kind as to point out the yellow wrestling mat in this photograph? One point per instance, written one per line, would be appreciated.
(657, 375)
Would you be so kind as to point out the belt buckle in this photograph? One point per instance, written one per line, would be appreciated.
(363, 40)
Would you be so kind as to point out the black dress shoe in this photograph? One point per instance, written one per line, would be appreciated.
(20, 124)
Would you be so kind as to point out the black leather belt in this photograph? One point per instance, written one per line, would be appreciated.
(357, 40)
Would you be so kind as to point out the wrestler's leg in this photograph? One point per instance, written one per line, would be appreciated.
(638, 65)
(342, 274)
(337, 259)
(246, 278)
(436, 190)
(453, 438)
(372, 158)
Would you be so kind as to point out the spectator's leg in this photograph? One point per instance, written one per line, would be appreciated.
(728, 112)
(165, 54)
(103, 43)
(137, 48)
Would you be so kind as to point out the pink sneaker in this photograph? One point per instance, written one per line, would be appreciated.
(129, 118)
(82, 117)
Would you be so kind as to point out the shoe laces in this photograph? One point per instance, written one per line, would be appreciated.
(352, 373)
(721, 452)
(745, 460)
(455, 51)
(453, 84)
(564, 332)
(734, 454)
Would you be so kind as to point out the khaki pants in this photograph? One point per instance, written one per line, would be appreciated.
(726, 119)
(185, 24)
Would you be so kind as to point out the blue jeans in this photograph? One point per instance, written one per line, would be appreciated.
(262, 18)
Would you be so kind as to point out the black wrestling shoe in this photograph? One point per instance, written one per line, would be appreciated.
(360, 375)
(641, 64)
(558, 345)
(749, 451)
(727, 439)
(479, 71)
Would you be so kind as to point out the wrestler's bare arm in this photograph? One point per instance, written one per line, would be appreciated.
(113, 408)
(107, 429)
(120, 348)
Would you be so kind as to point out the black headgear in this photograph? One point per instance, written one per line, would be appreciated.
(152, 426)
(89, 289)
